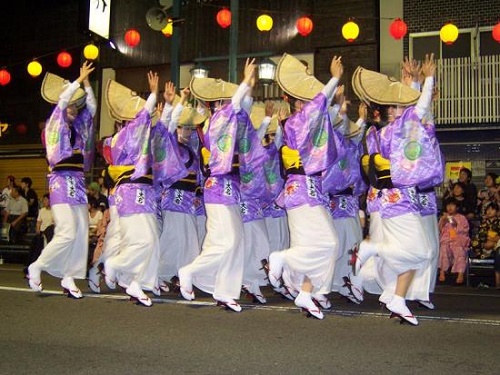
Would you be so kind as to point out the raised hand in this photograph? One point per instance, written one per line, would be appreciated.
(336, 68)
(249, 71)
(269, 108)
(363, 111)
(169, 93)
(282, 114)
(85, 71)
(185, 93)
(339, 96)
(159, 107)
(153, 80)
(429, 66)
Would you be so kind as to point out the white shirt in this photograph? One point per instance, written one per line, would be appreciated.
(45, 217)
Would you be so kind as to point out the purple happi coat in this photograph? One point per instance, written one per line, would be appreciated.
(415, 161)
(131, 147)
(310, 132)
(68, 186)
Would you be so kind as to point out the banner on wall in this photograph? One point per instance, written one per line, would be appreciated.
(453, 169)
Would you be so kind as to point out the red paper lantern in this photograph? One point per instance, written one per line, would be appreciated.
(304, 26)
(21, 129)
(64, 59)
(132, 38)
(496, 32)
(398, 28)
(4, 77)
(224, 18)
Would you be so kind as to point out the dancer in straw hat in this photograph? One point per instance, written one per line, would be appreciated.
(69, 133)
(180, 196)
(135, 267)
(309, 149)
(400, 160)
(218, 270)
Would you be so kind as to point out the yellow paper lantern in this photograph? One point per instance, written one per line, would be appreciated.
(34, 68)
(448, 33)
(168, 30)
(264, 22)
(350, 31)
(91, 52)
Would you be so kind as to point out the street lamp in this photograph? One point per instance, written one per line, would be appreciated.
(267, 69)
(199, 71)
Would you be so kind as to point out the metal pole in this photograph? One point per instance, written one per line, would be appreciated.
(176, 43)
(233, 40)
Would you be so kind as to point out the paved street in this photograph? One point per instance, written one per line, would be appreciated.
(106, 334)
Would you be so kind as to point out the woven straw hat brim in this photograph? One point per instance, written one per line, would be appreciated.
(53, 86)
(293, 78)
(123, 103)
(211, 89)
(383, 90)
(258, 113)
(353, 130)
(192, 116)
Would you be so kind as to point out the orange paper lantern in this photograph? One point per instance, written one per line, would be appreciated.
(168, 30)
(304, 26)
(224, 18)
(132, 38)
(496, 32)
(64, 59)
(398, 28)
(4, 77)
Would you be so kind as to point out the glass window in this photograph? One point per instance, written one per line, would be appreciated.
(487, 45)
(459, 48)
(425, 45)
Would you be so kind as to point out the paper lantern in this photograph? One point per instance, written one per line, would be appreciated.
(224, 18)
(34, 68)
(264, 22)
(350, 31)
(496, 32)
(132, 38)
(448, 33)
(21, 129)
(64, 59)
(91, 52)
(398, 28)
(4, 77)
(168, 30)
(304, 26)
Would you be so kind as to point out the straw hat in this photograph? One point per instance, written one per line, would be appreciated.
(295, 79)
(353, 129)
(123, 103)
(192, 116)
(53, 86)
(211, 89)
(258, 112)
(375, 87)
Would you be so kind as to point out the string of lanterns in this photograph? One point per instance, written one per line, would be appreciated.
(304, 26)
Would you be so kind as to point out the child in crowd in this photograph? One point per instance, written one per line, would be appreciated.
(486, 239)
(453, 242)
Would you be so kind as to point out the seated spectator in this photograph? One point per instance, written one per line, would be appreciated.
(5, 196)
(488, 194)
(464, 206)
(30, 195)
(15, 214)
(94, 191)
(470, 191)
(44, 231)
(485, 241)
(104, 189)
(453, 242)
(497, 266)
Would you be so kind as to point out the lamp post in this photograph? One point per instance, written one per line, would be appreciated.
(233, 40)
(199, 71)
